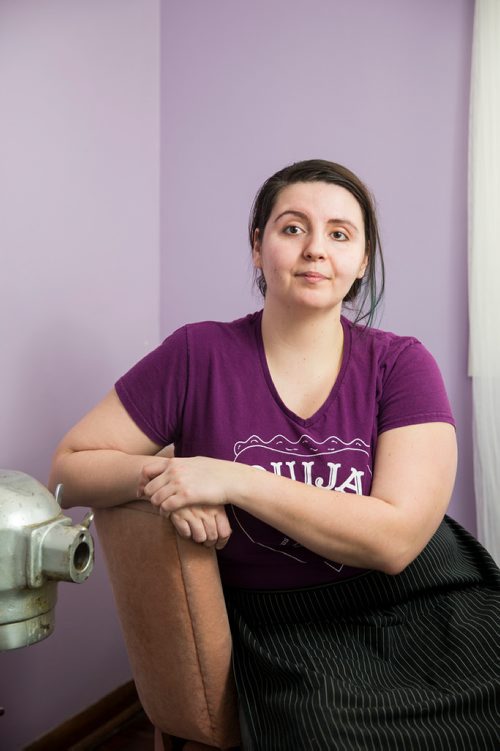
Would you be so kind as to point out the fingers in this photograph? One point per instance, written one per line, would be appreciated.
(195, 524)
(149, 472)
(185, 481)
(160, 484)
(207, 526)
(223, 529)
(181, 525)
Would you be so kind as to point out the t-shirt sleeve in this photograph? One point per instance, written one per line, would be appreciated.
(153, 392)
(413, 390)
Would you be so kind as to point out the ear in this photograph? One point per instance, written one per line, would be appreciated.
(362, 268)
(256, 250)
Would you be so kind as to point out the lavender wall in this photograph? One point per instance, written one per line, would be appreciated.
(79, 197)
(245, 88)
(379, 86)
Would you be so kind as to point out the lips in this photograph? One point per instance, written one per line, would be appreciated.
(313, 276)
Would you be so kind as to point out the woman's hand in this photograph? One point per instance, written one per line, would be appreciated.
(207, 525)
(191, 492)
(174, 484)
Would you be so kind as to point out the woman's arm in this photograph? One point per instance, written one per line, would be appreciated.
(100, 463)
(413, 479)
(100, 460)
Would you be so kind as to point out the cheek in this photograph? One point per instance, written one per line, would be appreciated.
(347, 266)
(277, 266)
(269, 259)
(351, 265)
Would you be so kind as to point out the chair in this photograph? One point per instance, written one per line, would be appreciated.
(172, 611)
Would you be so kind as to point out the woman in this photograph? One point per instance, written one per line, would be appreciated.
(318, 456)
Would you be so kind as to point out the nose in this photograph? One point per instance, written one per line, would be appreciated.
(314, 247)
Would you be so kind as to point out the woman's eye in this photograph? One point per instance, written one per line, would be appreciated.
(292, 229)
(338, 235)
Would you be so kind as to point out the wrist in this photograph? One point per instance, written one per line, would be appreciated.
(243, 477)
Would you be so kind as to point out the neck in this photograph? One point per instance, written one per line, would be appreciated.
(311, 334)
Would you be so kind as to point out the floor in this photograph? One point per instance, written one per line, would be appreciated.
(136, 734)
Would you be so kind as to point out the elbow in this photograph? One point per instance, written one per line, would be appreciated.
(52, 485)
(394, 566)
(395, 554)
(57, 477)
(395, 560)
(410, 543)
(53, 481)
(398, 545)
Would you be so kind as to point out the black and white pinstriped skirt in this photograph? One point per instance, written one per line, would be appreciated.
(400, 663)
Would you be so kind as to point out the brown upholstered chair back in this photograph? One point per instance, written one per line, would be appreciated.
(172, 611)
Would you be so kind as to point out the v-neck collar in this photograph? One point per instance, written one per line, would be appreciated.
(346, 352)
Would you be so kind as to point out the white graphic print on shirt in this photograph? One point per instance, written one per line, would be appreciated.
(332, 464)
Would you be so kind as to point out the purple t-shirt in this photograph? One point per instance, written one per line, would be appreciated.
(208, 389)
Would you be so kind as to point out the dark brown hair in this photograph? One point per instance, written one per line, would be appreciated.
(366, 292)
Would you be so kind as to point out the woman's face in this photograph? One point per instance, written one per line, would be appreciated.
(313, 246)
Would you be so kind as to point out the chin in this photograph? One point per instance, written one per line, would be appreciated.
(317, 304)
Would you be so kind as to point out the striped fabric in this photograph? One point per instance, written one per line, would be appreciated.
(404, 663)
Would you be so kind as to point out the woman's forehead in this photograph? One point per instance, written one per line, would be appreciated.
(326, 201)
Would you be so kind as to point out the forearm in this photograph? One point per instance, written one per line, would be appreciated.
(356, 530)
(411, 487)
(100, 477)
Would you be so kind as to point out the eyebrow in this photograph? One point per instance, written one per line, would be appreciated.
(334, 220)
